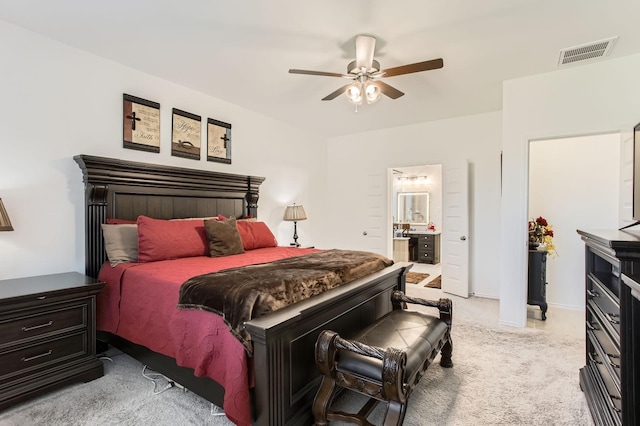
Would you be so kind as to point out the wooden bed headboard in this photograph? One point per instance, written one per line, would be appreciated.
(125, 190)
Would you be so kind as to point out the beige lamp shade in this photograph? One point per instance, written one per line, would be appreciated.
(295, 213)
(5, 223)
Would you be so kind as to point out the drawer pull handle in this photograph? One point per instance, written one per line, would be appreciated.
(590, 326)
(47, 324)
(592, 359)
(31, 358)
(610, 318)
(41, 297)
(611, 363)
(593, 294)
(612, 405)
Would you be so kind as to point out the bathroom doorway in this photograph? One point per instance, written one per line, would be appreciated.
(416, 217)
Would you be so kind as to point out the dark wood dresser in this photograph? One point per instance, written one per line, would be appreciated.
(427, 248)
(611, 377)
(47, 334)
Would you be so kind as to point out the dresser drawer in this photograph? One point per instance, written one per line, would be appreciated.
(426, 247)
(607, 305)
(610, 350)
(30, 358)
(426, 238)
(45, 321)
(425, 256)
(611, 388)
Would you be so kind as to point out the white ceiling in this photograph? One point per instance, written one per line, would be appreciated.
(241, 51)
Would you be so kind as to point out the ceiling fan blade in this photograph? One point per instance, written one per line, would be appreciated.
(390, 91)
(417, 67)
(365, 47)
(336, 93)
(323, 73)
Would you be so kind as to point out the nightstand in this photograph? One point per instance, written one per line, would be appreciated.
(47, 334)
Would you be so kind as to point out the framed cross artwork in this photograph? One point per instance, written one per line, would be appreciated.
(185, 140)
(218, 141)
(141, 124)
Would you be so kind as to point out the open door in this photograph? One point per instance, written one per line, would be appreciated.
(455, 228)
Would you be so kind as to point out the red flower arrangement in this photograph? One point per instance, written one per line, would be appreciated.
(541, 235)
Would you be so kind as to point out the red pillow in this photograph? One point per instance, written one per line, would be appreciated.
(170, 239)
(114, 221)
(255, 235)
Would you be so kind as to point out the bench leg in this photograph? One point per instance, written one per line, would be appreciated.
(323, 400)
(446, 352)
(395, 413)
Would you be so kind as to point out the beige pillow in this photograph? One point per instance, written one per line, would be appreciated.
(121, 243)
(224, 238)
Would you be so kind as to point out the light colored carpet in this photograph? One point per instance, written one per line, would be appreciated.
(415, 277)
(501, 376)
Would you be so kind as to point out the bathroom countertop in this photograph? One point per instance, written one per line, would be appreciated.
(425, 232)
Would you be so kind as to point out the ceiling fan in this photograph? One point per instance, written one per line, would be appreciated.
(366, 73)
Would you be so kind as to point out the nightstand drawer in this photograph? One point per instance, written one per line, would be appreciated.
(29, 358)
(34, 323)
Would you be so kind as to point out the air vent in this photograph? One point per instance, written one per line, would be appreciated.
(584, 52)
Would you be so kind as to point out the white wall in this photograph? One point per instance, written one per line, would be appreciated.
(585, 99)
(573, 183)
(352, 159)
(58, 102)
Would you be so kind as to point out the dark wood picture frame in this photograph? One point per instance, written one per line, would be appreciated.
(140, 124)
(218, 141)
(186, 134)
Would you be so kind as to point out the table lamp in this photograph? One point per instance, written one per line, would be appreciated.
(295, 213)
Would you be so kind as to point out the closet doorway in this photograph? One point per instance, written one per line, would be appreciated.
(575, 183)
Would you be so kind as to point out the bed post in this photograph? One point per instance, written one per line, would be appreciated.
(96, 214)
(252, 197)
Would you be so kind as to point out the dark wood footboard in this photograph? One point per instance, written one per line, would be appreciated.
(286, 378)
(283, 343)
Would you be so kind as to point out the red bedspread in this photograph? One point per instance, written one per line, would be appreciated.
(139, 304)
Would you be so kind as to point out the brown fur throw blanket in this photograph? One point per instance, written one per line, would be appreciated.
(240, 294)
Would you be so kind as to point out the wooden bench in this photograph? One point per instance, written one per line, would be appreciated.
(385, 361)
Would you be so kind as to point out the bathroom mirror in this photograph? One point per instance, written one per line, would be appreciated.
(413, 207)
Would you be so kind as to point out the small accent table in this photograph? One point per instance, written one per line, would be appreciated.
(537, 283)
(47, 334)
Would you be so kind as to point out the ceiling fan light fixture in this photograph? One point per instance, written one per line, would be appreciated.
(354, 93)
(366, 74)
(372, 92)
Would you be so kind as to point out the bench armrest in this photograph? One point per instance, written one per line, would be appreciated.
(393, 361)
(444, 305)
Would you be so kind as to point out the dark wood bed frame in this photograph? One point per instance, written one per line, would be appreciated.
(286, 379)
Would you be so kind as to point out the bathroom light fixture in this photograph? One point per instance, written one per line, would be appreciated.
(293, 214)
(5, 223)
(413, 180)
